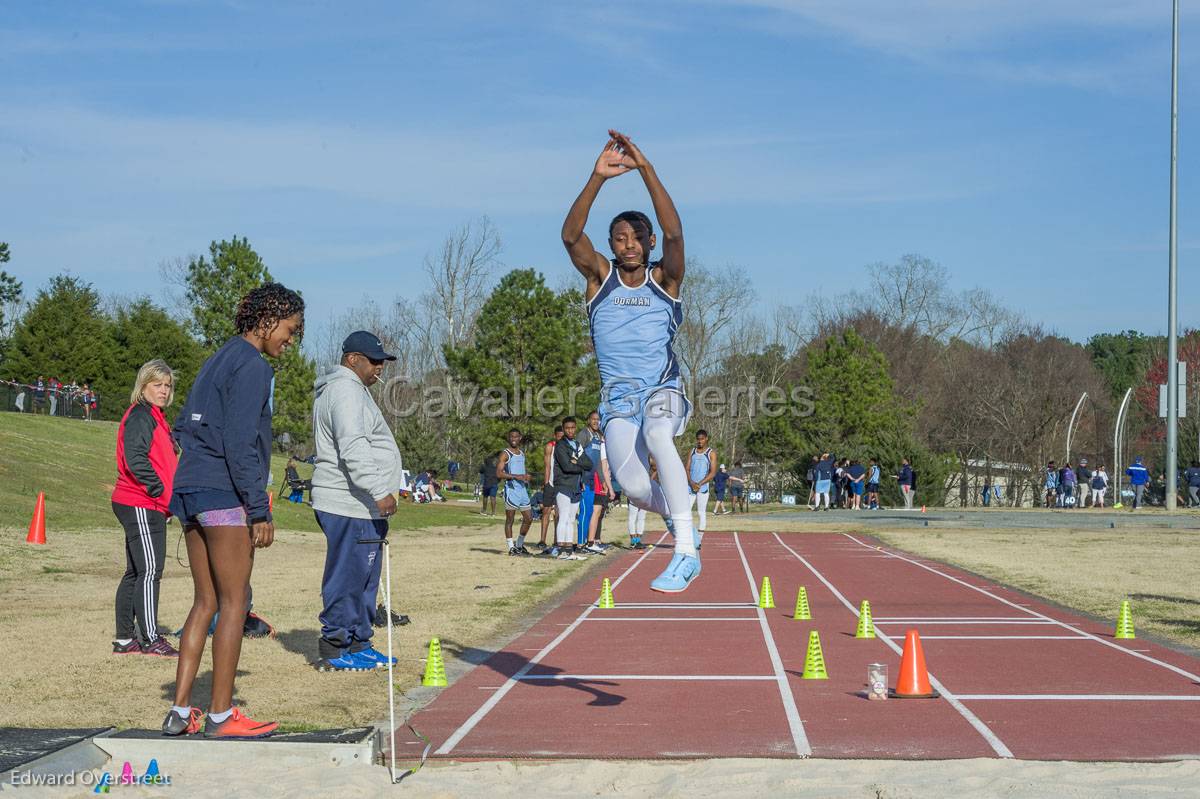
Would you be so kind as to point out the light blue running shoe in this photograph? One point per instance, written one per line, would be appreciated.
(373, 655)
(670, 524)
(679, 574)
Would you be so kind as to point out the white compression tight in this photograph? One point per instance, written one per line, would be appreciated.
(637, 521)
(701, 502)
(564, 532)
(629, 449)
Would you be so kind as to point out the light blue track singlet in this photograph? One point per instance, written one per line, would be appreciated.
(633, 332)
(515, 491)
(698, 468)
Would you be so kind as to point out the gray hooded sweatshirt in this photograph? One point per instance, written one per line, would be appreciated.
(358, 462)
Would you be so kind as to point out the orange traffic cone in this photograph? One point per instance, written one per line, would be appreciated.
(913, 682)
(37, 525)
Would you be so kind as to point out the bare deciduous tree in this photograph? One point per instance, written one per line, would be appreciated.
(458, 285)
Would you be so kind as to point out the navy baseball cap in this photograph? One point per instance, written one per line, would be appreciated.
(366, 343)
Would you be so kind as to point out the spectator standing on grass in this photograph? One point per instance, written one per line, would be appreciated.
(53, 388)
(856, 474)
(602, 485)
(873, 477)
(737, 486)
(39, 395)
(1069, 482)
(1191, 479)
(1083, 476)
(824, 476)
(810, 476)
(355, 481)
(511, 469)
(549, 508)
(1051, 484)
(1099, 486)
(85, 396)
(146, 464)
(488, 484)
(720, 482)
(220, 496)
(907, 481)
(1139, 478)
(570, 463)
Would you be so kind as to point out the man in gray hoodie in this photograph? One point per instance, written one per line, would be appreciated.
(356, 476)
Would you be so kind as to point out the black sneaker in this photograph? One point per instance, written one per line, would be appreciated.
(524, 551)
(160, 648)
(381, 619)
(175, 724)
(513, 552)
(131, 648)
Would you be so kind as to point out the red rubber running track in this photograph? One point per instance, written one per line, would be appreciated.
(706, 673)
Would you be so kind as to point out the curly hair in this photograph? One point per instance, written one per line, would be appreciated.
(266, 306)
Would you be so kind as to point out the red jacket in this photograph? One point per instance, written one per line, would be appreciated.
(146, 459)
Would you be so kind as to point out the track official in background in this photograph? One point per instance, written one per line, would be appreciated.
(356, 476)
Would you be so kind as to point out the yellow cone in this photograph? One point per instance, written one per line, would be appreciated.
(1125, 622)
(606, 595)
(866, 627)
(814, 661)
(435, 669)
(802, 609)
(765, 598)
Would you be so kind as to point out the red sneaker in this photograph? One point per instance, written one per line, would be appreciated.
(238, 726)
(160, 648)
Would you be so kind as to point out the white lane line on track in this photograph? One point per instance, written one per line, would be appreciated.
(964, 623)
(997, 745)
(1063, 624)
(799, 738)
(495, 698)
(672, 618)
(685, 677)
(1080, 697)
(684, 605)
(952, 618)
(1003, 638)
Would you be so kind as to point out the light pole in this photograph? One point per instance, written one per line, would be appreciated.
(1172, 338)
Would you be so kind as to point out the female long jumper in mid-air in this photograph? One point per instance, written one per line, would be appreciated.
(634, 310)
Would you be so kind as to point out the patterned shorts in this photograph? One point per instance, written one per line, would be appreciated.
(223, 517)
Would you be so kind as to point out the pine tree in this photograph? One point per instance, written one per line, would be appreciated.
(141, 331)
(64, 334)
(528, 340)
(215, 286)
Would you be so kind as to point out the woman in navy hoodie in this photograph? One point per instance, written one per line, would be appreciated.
(220, 496)
(145, 472)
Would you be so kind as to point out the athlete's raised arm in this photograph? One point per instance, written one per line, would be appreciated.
(664, 208)
(590, 263)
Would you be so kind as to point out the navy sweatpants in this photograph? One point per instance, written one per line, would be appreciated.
(351, 577)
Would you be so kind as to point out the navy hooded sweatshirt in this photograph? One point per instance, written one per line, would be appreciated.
(224, 428)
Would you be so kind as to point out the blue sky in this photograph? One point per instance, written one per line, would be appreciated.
(1022, 144)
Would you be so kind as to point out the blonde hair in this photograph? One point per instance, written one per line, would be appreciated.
(149, 373)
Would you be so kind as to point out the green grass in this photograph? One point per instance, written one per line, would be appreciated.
(73, 462)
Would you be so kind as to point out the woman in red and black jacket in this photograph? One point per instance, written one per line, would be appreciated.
(146, 462)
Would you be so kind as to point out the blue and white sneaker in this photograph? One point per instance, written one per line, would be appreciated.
(679, 574)
(347, 661)
(373, 655)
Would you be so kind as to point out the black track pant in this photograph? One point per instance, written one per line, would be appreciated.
(145, 551)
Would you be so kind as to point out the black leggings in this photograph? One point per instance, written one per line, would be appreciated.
(145, 551)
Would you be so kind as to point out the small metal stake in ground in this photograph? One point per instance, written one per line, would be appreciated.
(387, 599)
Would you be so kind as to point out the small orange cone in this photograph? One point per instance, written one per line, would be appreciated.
(37, 525)
(913, 682)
